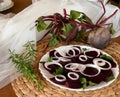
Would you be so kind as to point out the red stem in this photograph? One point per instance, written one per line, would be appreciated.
(49, 16)
(82, 24)
(65, 13)
(103, 12)
(102, 22)
(55, 19)
(49, 32)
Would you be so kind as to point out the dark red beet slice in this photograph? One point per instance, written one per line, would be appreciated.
(90, 71)
(113, 64)
(91, 53)
(52, 53)
(103, 76)
(74, 84)
(53, 67)
(105, 66)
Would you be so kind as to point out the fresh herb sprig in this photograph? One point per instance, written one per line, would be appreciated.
(58, 71)
(85, 82)
(24, 63)
(104, 56)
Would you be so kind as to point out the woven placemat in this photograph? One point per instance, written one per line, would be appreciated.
(23, 88)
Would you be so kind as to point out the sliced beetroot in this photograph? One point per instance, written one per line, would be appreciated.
(107, 74)
(103, 76)
(74, 84)
(52, 53)
(105, 66)
(92, 53)
(64, 63)
(57, 54)
(90, 71)
(73, 80)
(113, 64)
(52, 67)
(97, 79)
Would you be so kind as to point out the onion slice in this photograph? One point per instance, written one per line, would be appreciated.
(76, 67)
(83, 58)
(47, 64)
(60, 78)
(101, 63)
(92, 67)
(73, 76)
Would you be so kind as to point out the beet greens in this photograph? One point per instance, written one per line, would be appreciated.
(73, 26)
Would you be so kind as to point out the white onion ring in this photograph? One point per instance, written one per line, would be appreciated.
(75, 74)
(96, 62)
(50, 63)
(60, 80)
(80, 58)
(63, 59)
(93, 66)
(75, 67)
(73, 48)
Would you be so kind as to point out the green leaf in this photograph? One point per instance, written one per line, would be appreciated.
(87, 19)
(41, 25)
(74, 14)
(112, 31)
(81, 19)
(84, 86)
(49, 59)
(91, 83)
(58, 71)
(104, 56)
(81, 35)
(53, 40)
(84, 49)
(67, 27)
(83, 80)
(110, 78)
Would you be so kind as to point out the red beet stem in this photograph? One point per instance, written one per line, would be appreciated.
(102, 22)
(55, 19)
(49, 16)
(49, 32)
(103, 12)
(72, 34)
(82, 24)
(65, 13)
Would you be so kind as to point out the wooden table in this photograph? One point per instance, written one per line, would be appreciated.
(19, 5)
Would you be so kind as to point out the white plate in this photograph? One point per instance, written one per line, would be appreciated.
(47, 75)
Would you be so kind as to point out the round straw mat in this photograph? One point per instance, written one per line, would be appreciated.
(24, 88)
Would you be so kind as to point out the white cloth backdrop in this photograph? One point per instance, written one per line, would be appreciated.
(20, 28)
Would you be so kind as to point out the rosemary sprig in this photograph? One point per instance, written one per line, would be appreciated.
(24, 63)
